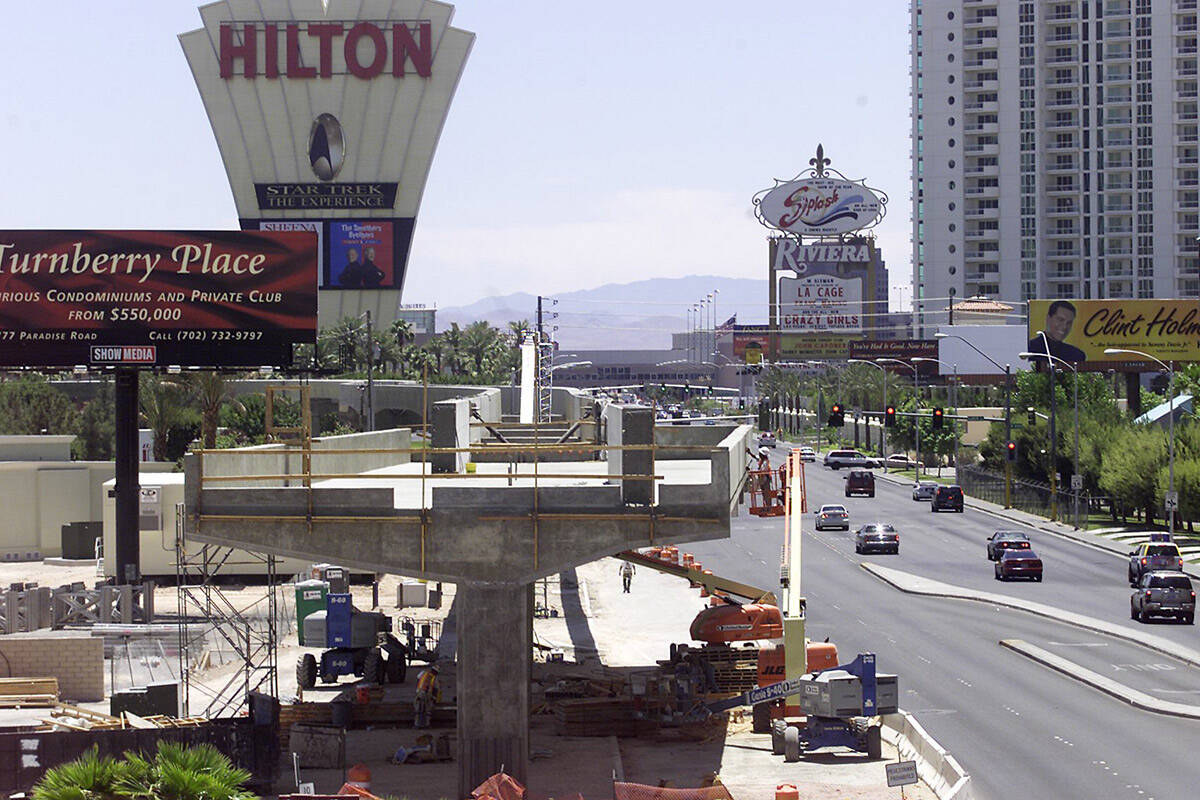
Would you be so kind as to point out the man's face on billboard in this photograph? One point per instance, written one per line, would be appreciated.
(1058, 324)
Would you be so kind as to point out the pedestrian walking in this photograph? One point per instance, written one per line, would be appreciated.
(429, 692)
(626, 570)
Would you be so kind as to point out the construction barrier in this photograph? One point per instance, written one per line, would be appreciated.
(937, 768)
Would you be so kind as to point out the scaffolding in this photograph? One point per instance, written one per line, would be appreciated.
(211, 623)
(545, 377)
(208, 616)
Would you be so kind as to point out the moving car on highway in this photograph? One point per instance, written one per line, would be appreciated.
(832, 516)
(1163, 593)
(860, 481)
(766, 439)
(947, 497)
(924, 490)
(1000, 541)
(808, 454)
(1018, 564)
(836, 459)
(879, 536)
(1151, 556)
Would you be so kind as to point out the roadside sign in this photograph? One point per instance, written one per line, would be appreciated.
(1076, 482)
(1171, 501)
(902, 773)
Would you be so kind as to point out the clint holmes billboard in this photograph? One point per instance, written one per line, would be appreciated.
(187, 298)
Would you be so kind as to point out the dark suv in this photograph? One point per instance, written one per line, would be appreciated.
(859, 481)
(947, 497)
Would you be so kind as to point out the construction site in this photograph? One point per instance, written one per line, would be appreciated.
(315, 585)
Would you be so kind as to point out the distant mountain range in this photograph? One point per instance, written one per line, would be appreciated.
(622, 316)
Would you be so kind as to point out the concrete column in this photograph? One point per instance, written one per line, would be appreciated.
(451, 428)
(637, 427)
(493, 681)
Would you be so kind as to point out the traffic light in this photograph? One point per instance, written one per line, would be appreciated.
(1011, 451)
(836, 416)
(889, 417)
(937, 417)
(1032, 415)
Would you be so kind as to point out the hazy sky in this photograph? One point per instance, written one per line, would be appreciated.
(588, 143)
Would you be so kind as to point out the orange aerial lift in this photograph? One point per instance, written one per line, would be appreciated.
(781, 629)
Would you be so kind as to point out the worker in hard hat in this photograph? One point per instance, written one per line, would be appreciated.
(626, 571)
(429, 691)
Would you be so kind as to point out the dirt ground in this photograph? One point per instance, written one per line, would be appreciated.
(602, 632)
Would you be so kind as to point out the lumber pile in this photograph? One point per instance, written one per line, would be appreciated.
(74, 718)
(601, 716)
(735, 669)
(24, 692)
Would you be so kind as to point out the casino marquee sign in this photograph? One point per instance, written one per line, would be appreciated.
(327, 115)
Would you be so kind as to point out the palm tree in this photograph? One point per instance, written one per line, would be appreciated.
(184, 773)
(452, 342)
(89, 777)
(481, 343)
(402, 334)
(211, 390)
(162, 404)
(519, 329)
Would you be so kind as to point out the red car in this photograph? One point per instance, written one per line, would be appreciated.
(1018, 564)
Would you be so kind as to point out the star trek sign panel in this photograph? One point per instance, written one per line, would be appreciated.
(187, 298)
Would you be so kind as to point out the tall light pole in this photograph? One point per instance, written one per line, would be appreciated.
(1053, 432)
(917, 407)
(953, 404)
(883, 421)
(1007, 409)
(1075, 372)
(1170, 368)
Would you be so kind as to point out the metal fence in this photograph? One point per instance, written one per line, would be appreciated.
(1033, 497)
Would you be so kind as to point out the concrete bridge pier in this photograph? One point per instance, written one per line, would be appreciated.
(494, 652)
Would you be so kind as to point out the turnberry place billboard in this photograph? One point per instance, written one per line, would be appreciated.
(155, 298)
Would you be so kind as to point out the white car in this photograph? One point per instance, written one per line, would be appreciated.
(832, 516)
(899, 461)
(808, 454)
(924, 490)
(766, 439)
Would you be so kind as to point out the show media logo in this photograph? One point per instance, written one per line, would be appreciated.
(123, 354)
(308, 50)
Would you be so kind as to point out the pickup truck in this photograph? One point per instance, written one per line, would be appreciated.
(1151, 556)
(1163, 594)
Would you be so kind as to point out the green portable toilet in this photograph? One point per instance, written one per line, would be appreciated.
(310, 597)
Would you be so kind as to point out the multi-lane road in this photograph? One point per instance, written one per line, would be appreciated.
(1020, 729)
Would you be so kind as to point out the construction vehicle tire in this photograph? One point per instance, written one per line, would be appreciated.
(761, 717)
(791, 745)
(396, 668)
(306, 671)
(874, 743)
(778, 727)
(373, 667)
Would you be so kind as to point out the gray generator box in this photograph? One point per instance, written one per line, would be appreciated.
(837, 693)
(365, 627)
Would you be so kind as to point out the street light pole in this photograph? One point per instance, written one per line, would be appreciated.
(883, 448)
(953, 404)
(916, 407)
(1007, 408)
(1170, 368)
(1075, 375)
(1053, 433)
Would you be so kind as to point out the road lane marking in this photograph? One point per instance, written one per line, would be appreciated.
(1079, 644)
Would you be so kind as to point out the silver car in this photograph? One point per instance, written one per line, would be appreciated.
(924, 490)
(832, 516)
(878, 536)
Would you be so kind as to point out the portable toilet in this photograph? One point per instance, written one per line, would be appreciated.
(310, 597)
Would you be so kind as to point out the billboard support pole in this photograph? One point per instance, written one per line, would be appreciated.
(127, 555)
(1007, 434)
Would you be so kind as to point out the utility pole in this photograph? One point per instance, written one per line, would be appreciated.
(370, 376)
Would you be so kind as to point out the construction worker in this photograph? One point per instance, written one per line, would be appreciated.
(429, 692)
(626, 570)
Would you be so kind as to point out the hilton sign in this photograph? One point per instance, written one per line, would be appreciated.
(327, 115)
(366, 49)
